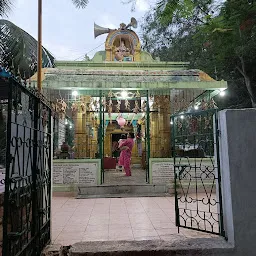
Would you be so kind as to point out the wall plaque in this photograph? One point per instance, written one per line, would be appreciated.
(162, 172)
(75, 173)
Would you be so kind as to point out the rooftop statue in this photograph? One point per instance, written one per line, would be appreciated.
(122, 51)
(122, 44)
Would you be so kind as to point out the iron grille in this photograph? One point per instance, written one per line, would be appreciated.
(197, 175)
(27, 198)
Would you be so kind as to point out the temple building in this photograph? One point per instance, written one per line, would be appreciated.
(120, 90)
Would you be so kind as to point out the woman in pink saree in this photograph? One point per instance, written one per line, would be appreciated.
(126, 153)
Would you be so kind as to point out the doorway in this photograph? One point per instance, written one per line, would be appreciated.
(113, 174)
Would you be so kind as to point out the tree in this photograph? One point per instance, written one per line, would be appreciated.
(80, 3)
(232, 37)
(18, 50)
(5, 5)
(221, 43)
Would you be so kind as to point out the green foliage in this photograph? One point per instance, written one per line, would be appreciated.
(80, 3)
(5, 7)
(221, 41)
(169, 10)
(18, 50)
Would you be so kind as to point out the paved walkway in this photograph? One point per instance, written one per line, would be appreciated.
(111, 219)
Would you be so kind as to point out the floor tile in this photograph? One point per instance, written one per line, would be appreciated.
(116, 219)
(70, 235)
(142, 226)
(72, 228)
(117, 234)
(97, 233)
(144, 232)
(98, 221)
(162, 225)
(119, 221)
(147, 238)
(91, 228)
(100, 235)
(167, 231)
(116, 226)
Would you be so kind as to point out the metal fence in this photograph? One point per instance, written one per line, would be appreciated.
(27, 196)
(198, 199)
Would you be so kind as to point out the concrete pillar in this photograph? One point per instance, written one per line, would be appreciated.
(238, 168)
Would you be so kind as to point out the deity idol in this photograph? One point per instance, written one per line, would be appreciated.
(121, 51)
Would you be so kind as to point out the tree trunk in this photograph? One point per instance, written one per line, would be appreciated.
(250, 91)
(248, 84)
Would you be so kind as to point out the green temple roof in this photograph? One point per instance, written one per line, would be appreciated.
(122, 76)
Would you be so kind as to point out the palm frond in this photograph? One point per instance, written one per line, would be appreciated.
(18, 50)
(5, 7)
(80, 3)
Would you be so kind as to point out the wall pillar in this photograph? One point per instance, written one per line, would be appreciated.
(238, 169)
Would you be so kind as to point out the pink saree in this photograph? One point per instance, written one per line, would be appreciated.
(125, 156)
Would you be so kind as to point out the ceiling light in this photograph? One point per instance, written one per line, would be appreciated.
(222, 93)
(75, 93)
(124, 94)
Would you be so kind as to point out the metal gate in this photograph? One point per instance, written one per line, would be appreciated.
(27, 199)
(198, 201)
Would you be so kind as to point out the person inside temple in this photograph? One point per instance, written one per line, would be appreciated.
(64, 150)
(122, 139)
(126, 153)
(115, 150)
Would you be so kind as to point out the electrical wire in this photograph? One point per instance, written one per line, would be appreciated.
(90, 51)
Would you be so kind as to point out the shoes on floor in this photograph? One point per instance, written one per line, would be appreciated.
(119, 168)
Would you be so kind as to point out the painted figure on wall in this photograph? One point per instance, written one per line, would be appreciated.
(126, 153)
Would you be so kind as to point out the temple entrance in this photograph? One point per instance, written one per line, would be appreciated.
(125, 112)
(90, 124)
(113, 172)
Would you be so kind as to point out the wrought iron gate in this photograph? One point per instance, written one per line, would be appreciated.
(27, 199)
(198, 201)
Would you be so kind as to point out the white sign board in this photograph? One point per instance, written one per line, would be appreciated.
(75, 173)
(162, 172)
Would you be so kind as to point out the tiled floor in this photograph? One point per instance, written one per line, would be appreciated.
(114, 177)
(108, 219)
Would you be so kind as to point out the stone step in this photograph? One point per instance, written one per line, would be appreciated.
(123, 195)
(176, 245)
(124, 190)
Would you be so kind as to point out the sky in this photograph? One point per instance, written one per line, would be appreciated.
(68, 33)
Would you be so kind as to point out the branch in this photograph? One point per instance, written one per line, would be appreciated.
(240, 70)
(242, 63)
